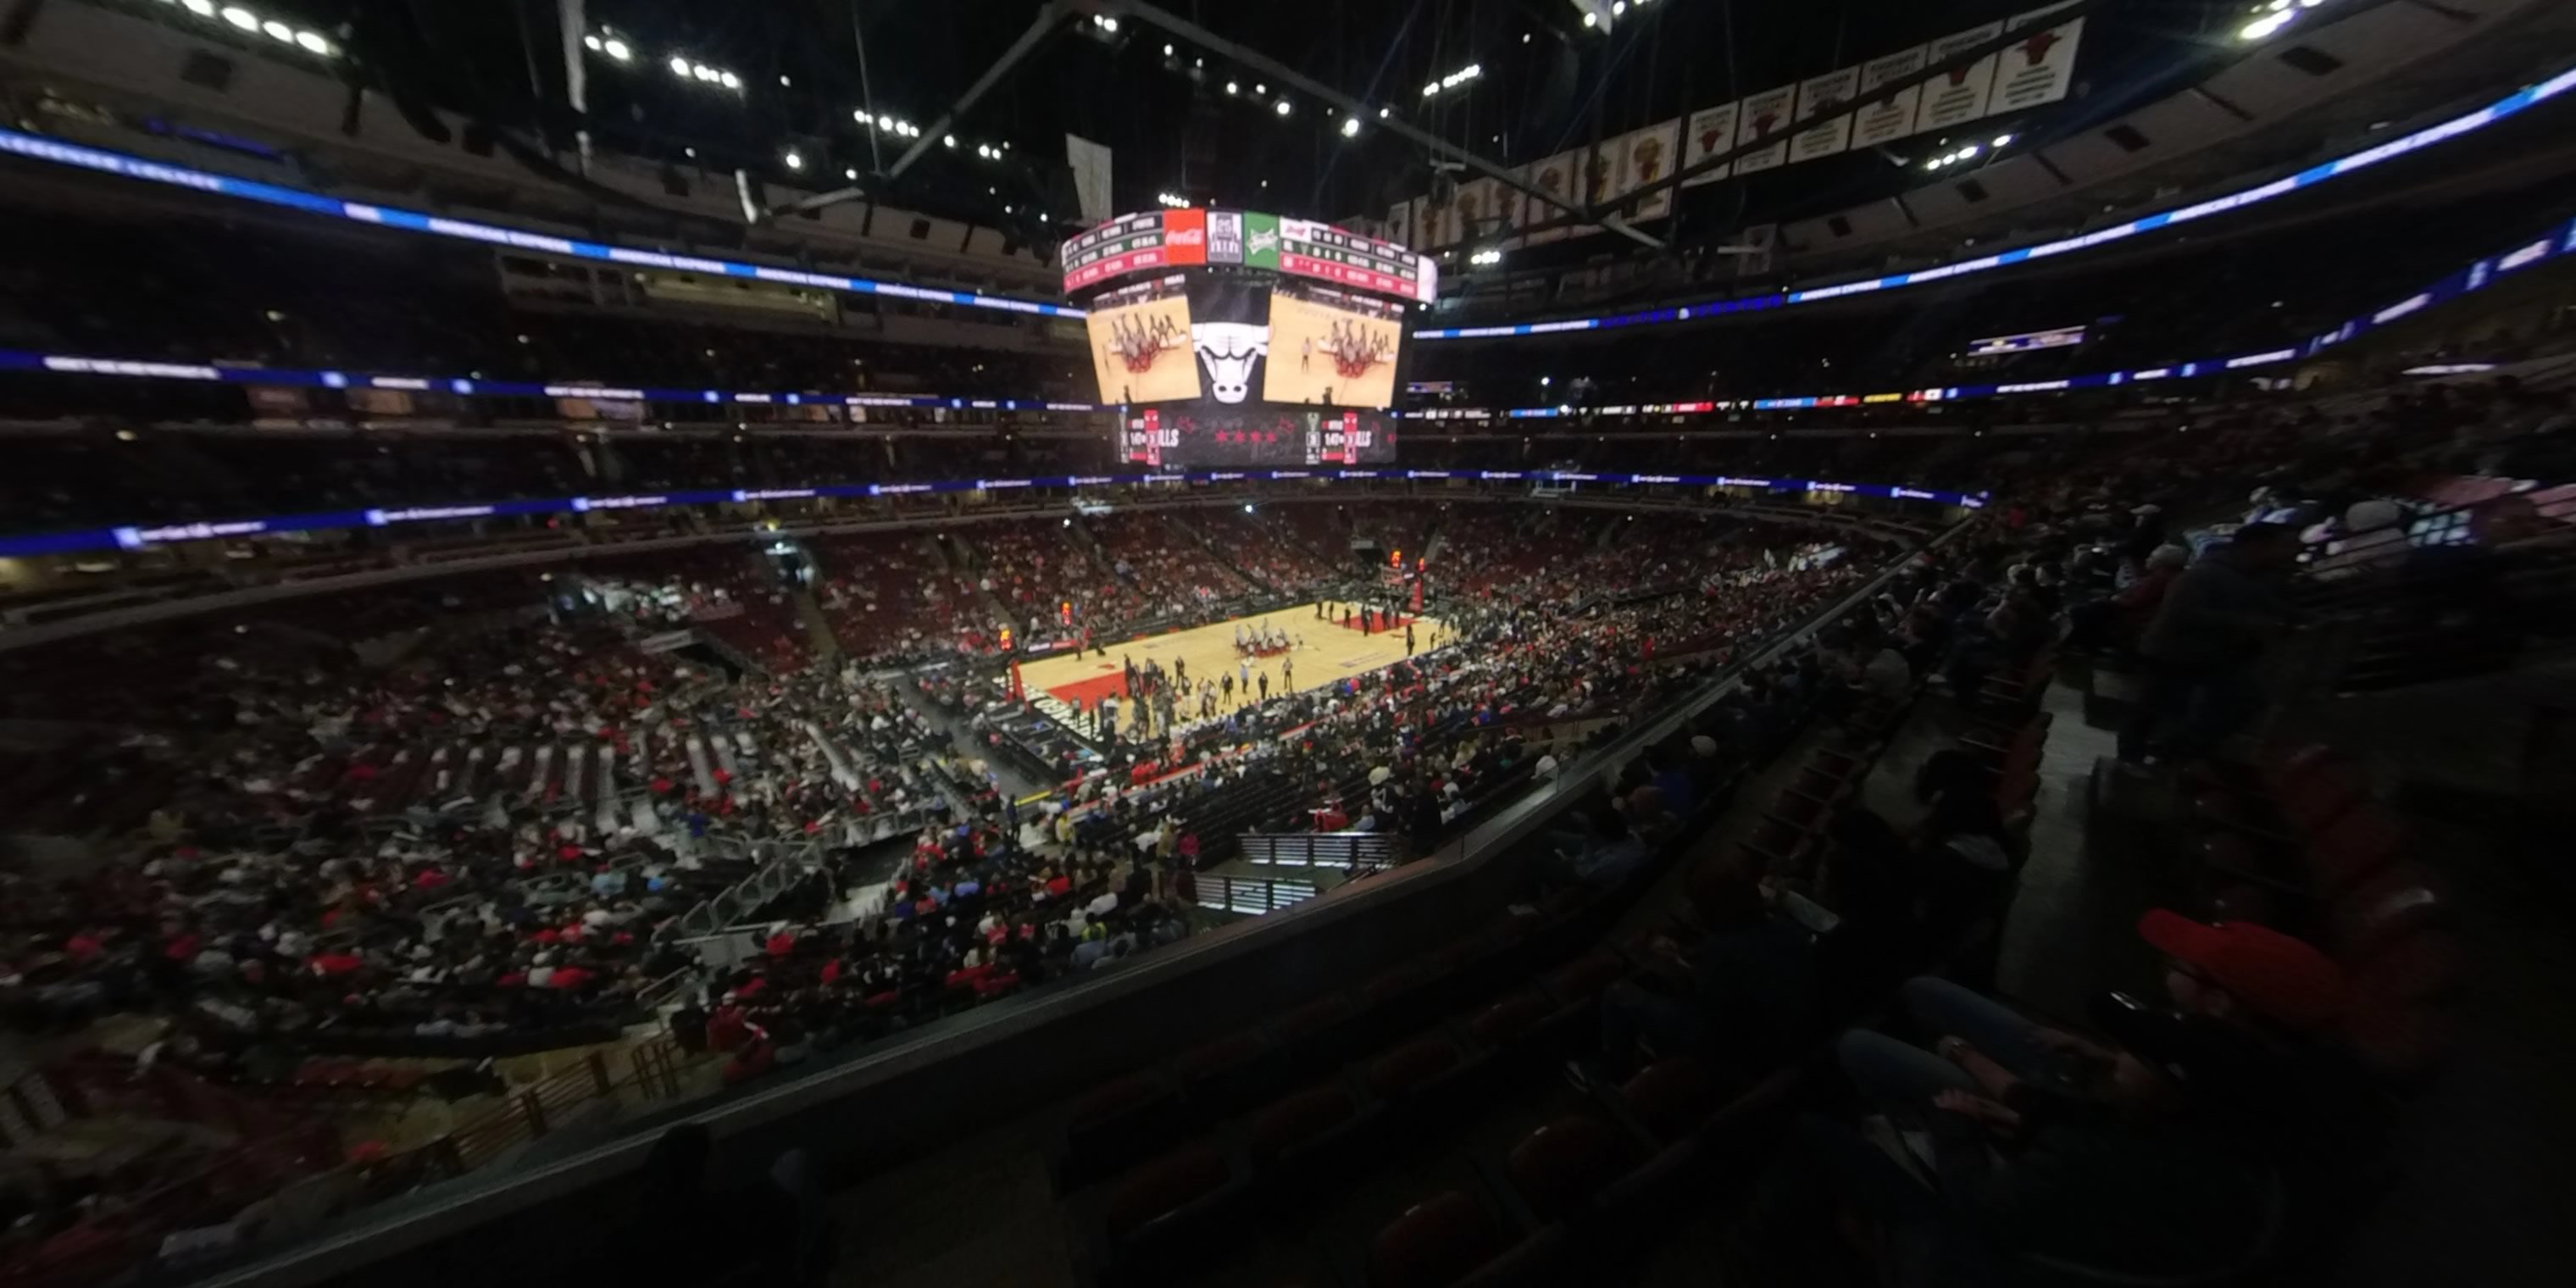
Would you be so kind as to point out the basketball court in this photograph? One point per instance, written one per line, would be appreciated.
(1331, 652)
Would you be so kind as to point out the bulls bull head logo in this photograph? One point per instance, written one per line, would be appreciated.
(1229, 351)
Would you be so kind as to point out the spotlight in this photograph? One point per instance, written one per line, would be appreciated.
(313, 43)
(617, 49)
(1232, 88)
(795, 159)
(1350, 127)
(2267, 26)
(2003, 140)
(242, 18)
(679, 65)
(1283, 107)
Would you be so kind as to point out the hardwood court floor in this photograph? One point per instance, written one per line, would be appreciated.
(1330, 651)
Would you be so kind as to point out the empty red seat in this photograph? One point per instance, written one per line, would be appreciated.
(1586, 976)
(1559, 1167)
(1313, 1017)
(1114, 1097)
(1218, 1056)
(1397, 1072)
(1672, 1096)
(2353, 849)
(1437, 1242)
(1297, 1120)
(2399, 902)
(1164, 1186)
(1497, 1025)
(1395, 983)
(2414, 968)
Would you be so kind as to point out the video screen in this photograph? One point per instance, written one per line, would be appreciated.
(1330, 348)
(1245, 342)
(1207, 434)
(1140, 344)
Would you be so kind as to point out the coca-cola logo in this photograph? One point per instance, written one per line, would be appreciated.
(1188, 237)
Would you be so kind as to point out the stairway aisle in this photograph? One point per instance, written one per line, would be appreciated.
(818, 628)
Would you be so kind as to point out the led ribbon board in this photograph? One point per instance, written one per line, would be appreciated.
(36, 147)
(2431, 135)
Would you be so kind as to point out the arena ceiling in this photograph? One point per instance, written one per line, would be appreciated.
(794, 76)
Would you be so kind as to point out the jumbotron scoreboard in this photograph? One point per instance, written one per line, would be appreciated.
(1234, 337)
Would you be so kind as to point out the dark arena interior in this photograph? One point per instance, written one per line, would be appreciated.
(1068, 643)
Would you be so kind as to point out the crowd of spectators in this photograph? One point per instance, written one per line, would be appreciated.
(1172, 573)
(477, 842)
(889, 598)
(1253, 543)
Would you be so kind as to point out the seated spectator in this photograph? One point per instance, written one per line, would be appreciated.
(1744, 991)
(2008, 1143)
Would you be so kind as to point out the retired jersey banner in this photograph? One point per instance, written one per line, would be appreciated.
(1824, 115)
(1885, 116)
(1765, 116)
(2039, 69)
(1708, 133)
(1959, 95)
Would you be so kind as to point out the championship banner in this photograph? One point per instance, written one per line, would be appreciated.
(1480, 209)
(1555, 177)
(1399, 224)
(1646, 156)
(1887, 117)
(1824, 114)
(1445, 226)
(1709, 132)
(1811, 119)
(2041, 67)
(1960, 96)
(1764, 117)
